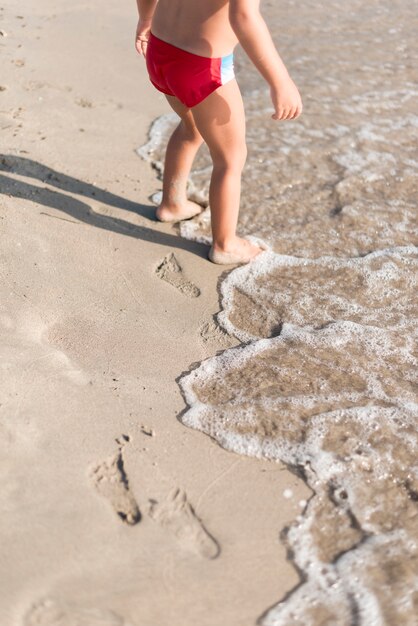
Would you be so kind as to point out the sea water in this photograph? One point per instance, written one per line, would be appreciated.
(325, 379)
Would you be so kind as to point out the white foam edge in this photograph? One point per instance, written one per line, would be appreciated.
(156, 134)
(269, 261)
(340, 333)
(190, 229)
(309, 594)
(348, 565)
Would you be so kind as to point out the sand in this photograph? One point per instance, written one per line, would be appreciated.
(113, 512)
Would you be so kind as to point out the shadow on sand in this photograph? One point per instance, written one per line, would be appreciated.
(79, 210)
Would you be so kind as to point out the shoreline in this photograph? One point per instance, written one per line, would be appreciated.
(94, 343)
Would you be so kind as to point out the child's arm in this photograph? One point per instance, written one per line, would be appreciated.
(146, 10)
(254, 36)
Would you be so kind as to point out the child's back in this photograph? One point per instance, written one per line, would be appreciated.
(199, 26)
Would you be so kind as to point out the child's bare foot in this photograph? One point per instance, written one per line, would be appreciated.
(177, 213)
(238, 251)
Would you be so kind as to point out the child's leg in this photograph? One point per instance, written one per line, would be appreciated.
(220, 119)
(181, 150)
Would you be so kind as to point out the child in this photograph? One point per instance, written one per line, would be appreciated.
(188, 45)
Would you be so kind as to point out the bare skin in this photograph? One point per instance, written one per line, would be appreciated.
(181, 150)
(212, 28)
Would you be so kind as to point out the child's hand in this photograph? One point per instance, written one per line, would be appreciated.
(286, 100)
(142, 35)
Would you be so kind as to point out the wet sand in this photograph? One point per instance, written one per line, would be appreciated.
(113, 512)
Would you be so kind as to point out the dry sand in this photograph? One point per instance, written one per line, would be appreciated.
(100, 483)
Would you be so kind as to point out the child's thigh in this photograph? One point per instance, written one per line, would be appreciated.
(220, 119)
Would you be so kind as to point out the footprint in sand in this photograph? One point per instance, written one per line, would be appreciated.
(177, 515)
(110, 479)
(49, 612)
(213, 337)
(170, 271)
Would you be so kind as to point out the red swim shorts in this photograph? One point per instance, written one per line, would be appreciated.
(187, 76)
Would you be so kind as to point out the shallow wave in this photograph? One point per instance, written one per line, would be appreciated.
(335, 190)
(377, 290)
(339, 406)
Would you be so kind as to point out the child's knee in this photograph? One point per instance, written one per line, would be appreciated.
(232, 160)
